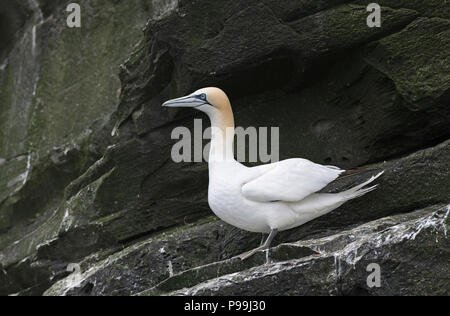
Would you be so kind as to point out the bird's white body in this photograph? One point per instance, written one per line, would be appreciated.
(226, 197)
(268, 198)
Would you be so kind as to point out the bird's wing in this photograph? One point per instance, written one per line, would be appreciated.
(290, 181)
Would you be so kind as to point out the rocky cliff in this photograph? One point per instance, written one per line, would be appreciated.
(86, 177)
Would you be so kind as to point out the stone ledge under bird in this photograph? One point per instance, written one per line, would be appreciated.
(268, 198)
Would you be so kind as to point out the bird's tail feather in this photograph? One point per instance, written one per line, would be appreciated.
(359, 190)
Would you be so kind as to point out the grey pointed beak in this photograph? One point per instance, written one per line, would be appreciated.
(184, 102)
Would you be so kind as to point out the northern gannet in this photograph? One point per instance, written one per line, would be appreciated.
(268, 198)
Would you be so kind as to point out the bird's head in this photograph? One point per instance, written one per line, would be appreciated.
(212, 101)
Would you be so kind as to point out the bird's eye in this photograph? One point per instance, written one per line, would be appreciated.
(203, 97)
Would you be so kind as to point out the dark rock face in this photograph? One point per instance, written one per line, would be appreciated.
(85, 170)
(12, 17)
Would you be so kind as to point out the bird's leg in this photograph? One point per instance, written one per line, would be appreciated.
(265, 246)
(262, 240)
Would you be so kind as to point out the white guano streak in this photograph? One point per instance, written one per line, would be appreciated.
(39, 19)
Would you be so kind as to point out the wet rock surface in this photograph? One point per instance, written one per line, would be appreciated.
(86, 176)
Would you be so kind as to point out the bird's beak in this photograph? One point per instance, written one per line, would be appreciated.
(184, 102)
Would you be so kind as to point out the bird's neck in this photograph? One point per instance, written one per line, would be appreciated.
(222, 137)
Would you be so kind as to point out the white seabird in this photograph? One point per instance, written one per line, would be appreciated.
(268, 198)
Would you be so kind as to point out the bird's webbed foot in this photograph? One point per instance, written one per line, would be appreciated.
(250, 253)
(263, 247)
